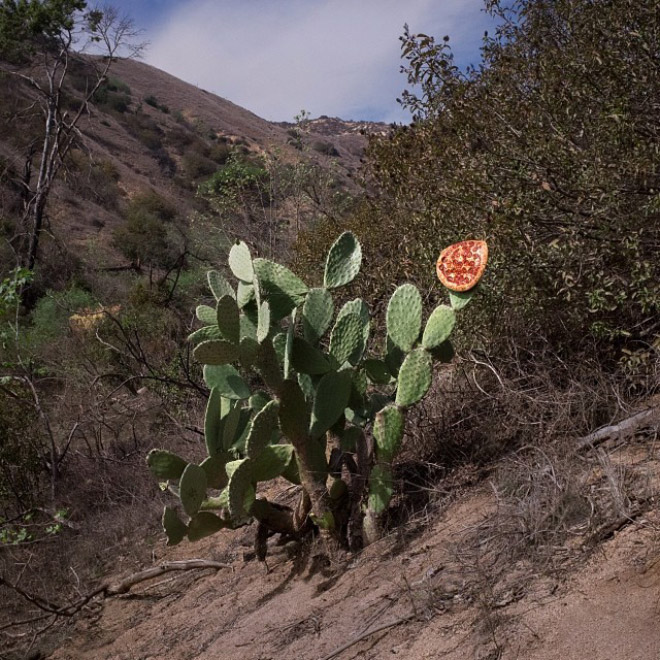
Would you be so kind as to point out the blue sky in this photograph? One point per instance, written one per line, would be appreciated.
(276, 57)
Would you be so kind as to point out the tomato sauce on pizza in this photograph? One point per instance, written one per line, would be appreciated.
(460, 266)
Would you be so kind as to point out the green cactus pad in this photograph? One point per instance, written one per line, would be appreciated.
(343, 262)
(240, 262)
(279, 344)
(219, 502)
(415, 377)
(317, 314)
(173, 527)
(307, 359)
(404, 316)
(438, 327)
(258, 400)
(359, 307)
(206, 333)
(248, 327)
(227, 316)
(272, 462)
(204, 524)
(192, 488)
(214, 467)
(267, 365)
(288, 345)
(244, 294)
(459, 299)
(294, 411)
(332, 395)
(219, 285)
(388, 433)
(306, 385)
(165, 465)
(216, 352)
(227, 380)
(376, 402)
(263, 326)
(206, 314)
(261, 429)
(230, 427)
(284, 290)
(247, 352)
(346, 338)
(381, 487)
(239, 483)
(377, 371)
(394, 357)
(212, 423)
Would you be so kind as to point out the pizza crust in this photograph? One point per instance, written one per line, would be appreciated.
(461, 265)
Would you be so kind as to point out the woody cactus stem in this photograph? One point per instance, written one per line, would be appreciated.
(294, 394)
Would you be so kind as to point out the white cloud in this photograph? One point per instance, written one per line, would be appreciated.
(333, 57)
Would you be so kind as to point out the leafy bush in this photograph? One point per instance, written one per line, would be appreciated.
(300, 406)
(549, 150)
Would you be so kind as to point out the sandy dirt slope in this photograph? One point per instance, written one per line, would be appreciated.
(458, 602)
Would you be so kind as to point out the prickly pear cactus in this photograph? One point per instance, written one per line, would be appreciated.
(295, 394)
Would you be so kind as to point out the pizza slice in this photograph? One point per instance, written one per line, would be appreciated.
(461, 265)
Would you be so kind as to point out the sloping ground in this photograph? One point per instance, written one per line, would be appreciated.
(439, 581)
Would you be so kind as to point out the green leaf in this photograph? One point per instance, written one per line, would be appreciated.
(165, 465)
(240, 482)
(244, 294)
(240, 262)
(306, 359)
(438, 327)
(459, 299)
(227, 318)
(206, 333)
(272, 462)
(204, 524)
(216, 352)
(230, 426)
(294, 411)
(381, 487)
(358, 307)
(206, 314)
(332, 395)
(212, 424)
(346, 337)
(261, 430)
(317, 314)
(404, 316)
(343, 262)
(415, 377)
(377, 371)
(173, 527)
(283, 290)
(227, 380)
(267, 364)
(388, 432)
(219, 285)
(192, 488)
(214, 467)
(263, 327)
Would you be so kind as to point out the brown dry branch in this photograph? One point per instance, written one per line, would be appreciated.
(106, 589)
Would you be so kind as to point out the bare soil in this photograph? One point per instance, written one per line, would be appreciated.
(437, 580)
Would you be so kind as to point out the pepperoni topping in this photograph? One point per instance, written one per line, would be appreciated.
(460, 266)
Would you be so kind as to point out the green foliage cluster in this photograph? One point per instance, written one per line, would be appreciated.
(288, 400)
(114, 95)
(145, 237)
(550, 151)
(26, 25)
(155, 103)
